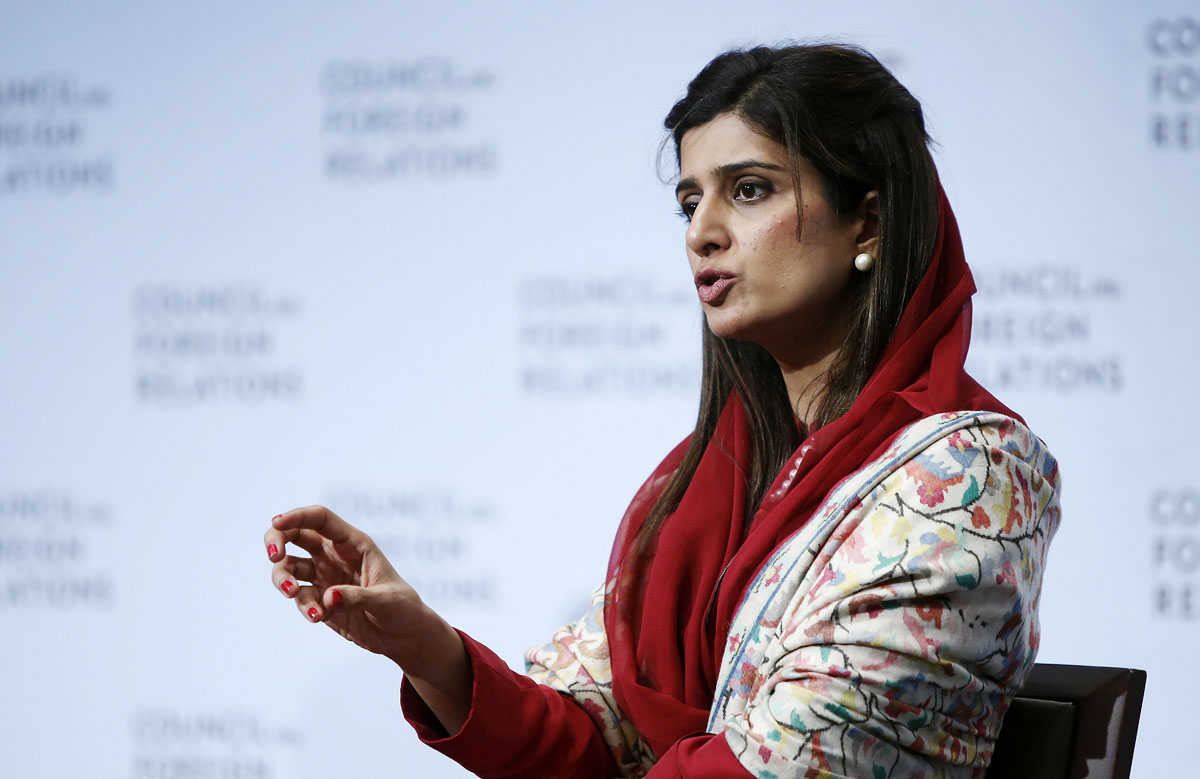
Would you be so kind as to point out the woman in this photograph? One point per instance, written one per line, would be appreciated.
(837, 573)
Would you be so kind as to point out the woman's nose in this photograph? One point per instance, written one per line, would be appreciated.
(708, 232)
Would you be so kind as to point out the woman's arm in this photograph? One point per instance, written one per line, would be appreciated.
(462, 698)
(576, 662)
(355, 590)
(515, 728)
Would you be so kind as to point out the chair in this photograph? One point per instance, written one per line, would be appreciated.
(1070, 722)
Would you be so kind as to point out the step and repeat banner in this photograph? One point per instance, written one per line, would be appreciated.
(420, 263)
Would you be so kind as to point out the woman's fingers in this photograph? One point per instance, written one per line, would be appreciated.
(308, 602)
(339, 551)
(274, 541)
(347, 596)
(308, 540)
(290, 571)
(321, 520)
(310, 528)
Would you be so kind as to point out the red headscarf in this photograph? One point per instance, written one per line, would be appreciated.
(666, 649)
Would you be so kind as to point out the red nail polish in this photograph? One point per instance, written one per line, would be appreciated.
(272, 550)
(335, 597)
(287, 587)
(277, 516)
(312, 614)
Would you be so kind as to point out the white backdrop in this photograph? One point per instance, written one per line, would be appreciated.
(416, 262)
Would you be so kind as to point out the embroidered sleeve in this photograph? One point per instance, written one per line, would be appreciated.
(576, 662)
(915, 624)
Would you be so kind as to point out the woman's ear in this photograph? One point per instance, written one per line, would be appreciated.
(868, 219)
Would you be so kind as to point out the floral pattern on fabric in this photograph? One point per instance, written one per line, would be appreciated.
(888, 636)
(576, 662)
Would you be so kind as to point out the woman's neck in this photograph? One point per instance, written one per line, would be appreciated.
(805, 387)
(804, 363)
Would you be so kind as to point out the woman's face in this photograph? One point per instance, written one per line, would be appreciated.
(756, 280)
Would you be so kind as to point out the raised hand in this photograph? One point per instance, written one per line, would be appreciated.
(348, 584)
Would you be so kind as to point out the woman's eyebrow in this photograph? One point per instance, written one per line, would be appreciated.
(724, 170)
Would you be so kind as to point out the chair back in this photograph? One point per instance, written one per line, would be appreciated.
(1071, 722)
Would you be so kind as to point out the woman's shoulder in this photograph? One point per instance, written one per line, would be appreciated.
(957, 438)
(934, 455)
(979, 480)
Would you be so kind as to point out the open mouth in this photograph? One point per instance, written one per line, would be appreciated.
(712, 284)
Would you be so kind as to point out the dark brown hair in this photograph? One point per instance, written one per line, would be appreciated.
(843, 111)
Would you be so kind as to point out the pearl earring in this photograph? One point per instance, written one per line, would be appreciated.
(864, 262)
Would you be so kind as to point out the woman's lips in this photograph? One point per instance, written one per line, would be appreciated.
(712, 284)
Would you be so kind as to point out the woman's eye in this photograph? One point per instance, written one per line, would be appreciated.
(749, 190)
(686, 209)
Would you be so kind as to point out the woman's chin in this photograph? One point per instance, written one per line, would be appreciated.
(724, 326)
(729, 322)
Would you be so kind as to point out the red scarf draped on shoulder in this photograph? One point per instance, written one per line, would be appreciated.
(666, 651)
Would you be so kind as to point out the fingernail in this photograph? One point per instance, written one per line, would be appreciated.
(335, 597)
(287, 587)
(272, 550)
(313, 614)
(277, 516)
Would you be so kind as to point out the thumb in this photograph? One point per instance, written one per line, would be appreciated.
(347, 597)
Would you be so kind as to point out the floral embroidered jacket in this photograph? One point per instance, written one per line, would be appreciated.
(888, 635)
